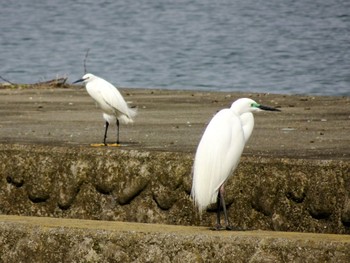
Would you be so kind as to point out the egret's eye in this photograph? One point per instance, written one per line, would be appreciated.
(255, 105)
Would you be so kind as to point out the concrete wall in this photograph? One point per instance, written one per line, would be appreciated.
(33, 239)
(153, 187)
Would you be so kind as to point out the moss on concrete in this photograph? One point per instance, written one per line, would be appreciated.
(154, 187)
(32, 239)
(301, 184)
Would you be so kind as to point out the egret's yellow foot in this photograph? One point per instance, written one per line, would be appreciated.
(97, 144)
(113, 144)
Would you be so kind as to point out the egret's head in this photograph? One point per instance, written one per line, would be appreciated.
(248, 105)
(86, 78)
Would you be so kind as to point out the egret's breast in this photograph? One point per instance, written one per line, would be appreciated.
(95, 93)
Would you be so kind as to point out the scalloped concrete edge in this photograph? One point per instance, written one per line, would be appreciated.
(153, 187)
(42, 239)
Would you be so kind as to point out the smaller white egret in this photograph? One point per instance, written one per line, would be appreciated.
(109, 99)
(219, 151)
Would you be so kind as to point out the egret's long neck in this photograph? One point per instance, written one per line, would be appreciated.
(237, 110)
(247, 120)
(246, 117)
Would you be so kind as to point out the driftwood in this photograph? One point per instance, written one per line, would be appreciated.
(9, 82)
(59, 82)
(54, 83)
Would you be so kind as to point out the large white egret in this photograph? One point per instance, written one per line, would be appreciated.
(109, 99)
(219, 151)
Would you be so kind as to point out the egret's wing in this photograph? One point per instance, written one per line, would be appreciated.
(218, 153)
(113, 98)
(247, 120)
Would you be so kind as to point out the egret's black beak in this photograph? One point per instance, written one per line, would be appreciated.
(262, 107)
(79, 80)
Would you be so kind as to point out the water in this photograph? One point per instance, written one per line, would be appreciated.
(294, 47)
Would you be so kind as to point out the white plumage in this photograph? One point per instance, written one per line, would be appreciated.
(219, 151)
(216, 156)
(109, 99)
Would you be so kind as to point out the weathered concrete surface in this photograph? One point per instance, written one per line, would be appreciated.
(173, 121)
(294, 176)
(34, 239)
(153, 187)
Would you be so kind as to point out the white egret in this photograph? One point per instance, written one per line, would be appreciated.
(219, 151)
(109, 99)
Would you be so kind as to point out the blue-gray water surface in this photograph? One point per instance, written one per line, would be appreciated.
(275, 46)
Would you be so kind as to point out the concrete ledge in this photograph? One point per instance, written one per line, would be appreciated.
(294, 176)
(153, 187)
(41, 239)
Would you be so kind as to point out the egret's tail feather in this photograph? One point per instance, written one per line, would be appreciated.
(129, 117)
(132, 113)
(202, 201)
(125, 119)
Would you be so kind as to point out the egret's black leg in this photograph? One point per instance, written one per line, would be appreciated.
(222, 198)
(218, 204)
(117, 131)
(105, 137)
